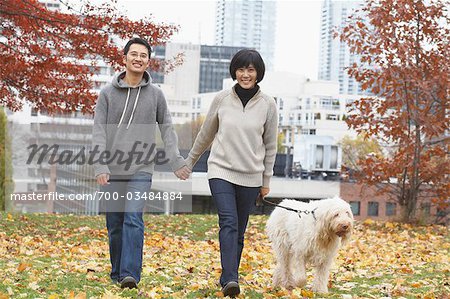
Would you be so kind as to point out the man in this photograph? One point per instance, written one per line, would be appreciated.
(126, 116)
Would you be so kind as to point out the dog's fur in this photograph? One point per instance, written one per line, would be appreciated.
(299, 241)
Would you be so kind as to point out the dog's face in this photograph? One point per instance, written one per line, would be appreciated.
(341, 222)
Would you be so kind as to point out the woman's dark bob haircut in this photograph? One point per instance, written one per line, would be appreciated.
(137, 40)
(244, 58)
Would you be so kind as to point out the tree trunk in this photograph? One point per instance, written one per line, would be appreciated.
(417, 143)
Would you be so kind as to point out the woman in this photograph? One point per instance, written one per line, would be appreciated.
(242, 125)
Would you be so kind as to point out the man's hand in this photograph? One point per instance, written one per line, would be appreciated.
(183, 173)
(264, 191)
(102, 179)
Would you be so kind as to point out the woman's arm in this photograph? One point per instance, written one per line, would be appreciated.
(270, 136)
(207, 132)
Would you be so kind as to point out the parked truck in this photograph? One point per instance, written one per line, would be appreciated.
(317, 157)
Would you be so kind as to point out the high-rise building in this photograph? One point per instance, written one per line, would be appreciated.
(203, 70)
(247, 24)
(185, 77)
(214, 66)
(335, 56)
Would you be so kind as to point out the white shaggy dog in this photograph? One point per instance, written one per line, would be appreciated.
(308, 240)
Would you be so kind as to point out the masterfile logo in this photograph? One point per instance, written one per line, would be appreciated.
(54, 154)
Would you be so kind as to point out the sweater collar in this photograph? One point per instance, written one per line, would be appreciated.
(258, 91)
(245, 94)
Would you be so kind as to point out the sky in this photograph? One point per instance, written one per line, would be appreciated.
(297, 27)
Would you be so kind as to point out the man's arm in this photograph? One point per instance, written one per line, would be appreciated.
(170, 139)
(101, 171)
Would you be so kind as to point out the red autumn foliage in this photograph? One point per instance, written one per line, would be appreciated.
(41, 50)
(405, 63)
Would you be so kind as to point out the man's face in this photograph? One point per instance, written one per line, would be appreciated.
(136, 60)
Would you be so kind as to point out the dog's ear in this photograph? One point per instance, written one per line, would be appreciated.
(346, 238)
(323, 226)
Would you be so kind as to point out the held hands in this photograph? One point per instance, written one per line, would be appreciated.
(183, 173)
(102, 179)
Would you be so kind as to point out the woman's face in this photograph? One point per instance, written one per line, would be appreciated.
(246, 76)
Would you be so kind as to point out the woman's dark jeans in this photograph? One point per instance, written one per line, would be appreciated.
(234, 204)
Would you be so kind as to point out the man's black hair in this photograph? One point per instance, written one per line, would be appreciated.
(137, 40)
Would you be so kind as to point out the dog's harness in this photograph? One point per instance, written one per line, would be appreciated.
(299, 212)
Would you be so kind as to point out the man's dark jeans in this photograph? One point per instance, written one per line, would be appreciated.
(234, 204)
(125, 223)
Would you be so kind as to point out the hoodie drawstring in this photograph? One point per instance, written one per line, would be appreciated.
(134, 107)
(124, 108)
(126, 105)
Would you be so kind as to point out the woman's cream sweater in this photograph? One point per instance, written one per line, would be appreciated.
(244, 139)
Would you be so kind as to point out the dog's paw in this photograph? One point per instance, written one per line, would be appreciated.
(320, 289)
(300, 282)
(276, 282)
(289, 284)
(289, 287)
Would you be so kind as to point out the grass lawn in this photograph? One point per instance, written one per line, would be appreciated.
(66, 256)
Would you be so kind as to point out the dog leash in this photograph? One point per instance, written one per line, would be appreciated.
(306, 212)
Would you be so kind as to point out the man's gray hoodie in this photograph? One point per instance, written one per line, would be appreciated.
(125, 124)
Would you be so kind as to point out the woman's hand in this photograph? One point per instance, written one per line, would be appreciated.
(183, 173)
(264, 191)
(102, 179)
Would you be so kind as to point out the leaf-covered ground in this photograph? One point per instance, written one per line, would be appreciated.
(51, 256)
